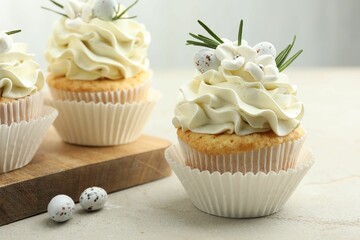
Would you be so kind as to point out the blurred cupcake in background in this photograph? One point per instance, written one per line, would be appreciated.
(99, 74)
(238, 125)
(23, 119)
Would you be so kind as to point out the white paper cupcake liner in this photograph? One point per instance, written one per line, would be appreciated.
(20, 141)
(274, 158)
(24, 109)
(139, 93)
(99, 124)
(238, 195)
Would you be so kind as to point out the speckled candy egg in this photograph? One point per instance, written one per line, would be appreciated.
(93, 198)
(265, 48)
(61, 208)
(105, 9)
(206, 60)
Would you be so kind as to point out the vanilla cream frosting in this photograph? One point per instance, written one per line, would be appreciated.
(20, 75)
(245, 94)
(97, 49)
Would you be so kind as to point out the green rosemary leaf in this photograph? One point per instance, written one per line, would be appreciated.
(62, 14)
(204, 39)
(189, 42)
(240, 32)
(117, 10)
(286, 64)
(210, 32)
(57, 4)
(281, 55)
(287, 52)
(13, 32)
(117, 17)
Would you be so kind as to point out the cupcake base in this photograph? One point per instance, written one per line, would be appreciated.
(24, 109)
(20, 141)
(106, 91)
(99, 124)
(238, 195)
(267, 159)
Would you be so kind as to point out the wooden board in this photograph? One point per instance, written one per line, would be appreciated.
(60, 168)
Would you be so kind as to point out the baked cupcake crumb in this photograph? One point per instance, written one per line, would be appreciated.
(231, 143)
(101, 85)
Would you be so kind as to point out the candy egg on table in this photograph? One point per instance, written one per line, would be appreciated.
(6, 42)
(61, 208)
(265, 48)
(105, 9)
(93, 198)
(206, 60)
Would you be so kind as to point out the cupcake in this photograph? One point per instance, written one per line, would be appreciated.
(20, 82)
(23, 120)
(238, 123)
(99, 74)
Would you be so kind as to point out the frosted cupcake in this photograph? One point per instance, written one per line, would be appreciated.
(238, 122)
(23, 120)
(98, 54)
(240, 114)
(20, 82)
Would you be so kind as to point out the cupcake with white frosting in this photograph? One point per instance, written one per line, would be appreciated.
(238, 125)
(98, 54)
(239, 107)
(20, 82)
(23, 120)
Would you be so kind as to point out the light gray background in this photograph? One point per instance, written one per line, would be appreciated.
(327, 30)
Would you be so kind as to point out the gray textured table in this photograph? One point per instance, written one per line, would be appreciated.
(326, 205)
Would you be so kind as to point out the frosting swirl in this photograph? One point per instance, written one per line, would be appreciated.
(20, 75)
(97, 49)
(245, 95)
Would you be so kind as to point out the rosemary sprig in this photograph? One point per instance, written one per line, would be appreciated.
(205, 41)
(240, 32)
(189, 42)
(288, 62)
(57, 4)
(280, 59)
(13, 32)
(54, 11)
(210, 32)
(118, 14)
(51, 10)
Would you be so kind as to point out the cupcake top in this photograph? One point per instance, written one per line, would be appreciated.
(240, 89)
(20, 75)
(95, 39)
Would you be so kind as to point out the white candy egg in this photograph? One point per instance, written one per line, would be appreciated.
(105, 9)
(93, 198)
(61, 208)
(6, 43)
(265, 48)
(206, 60)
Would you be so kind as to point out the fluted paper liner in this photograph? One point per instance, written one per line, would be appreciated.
(23, 109)
(136, 94)
(274, 158)
(238, 195)
(20, 141)
(99, 124)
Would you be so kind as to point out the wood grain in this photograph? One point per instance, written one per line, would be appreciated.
(60, 168)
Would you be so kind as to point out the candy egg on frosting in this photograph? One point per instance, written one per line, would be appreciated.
(265, 48)
(206, 60)
(61, 208)
(105, 9)
(6, 42)
(93, 198)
